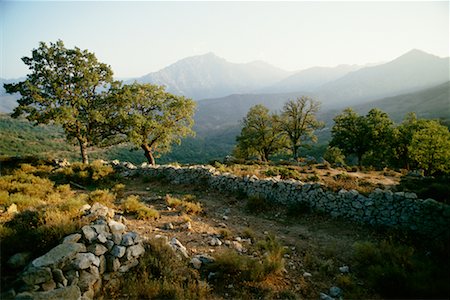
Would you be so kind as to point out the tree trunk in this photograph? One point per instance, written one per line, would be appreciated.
(148, 154)
(83, 150)
(295, 152)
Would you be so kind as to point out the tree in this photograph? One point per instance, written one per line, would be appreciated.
(349, 133)
(430, 148)
(380, 137)
(66, 87)
(298, 122)
(260, 134)
(151, 118)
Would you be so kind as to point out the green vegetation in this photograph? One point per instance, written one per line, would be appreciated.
(132, 205)
(186, 204)
(265, 134)
(64, 88)
(161, 275)
(151, 118)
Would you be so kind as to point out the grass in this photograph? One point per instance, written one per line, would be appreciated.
(186, 204)
(160, 275)
(132, 205)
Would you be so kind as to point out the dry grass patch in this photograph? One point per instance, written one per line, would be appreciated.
(186, 204)
(132, 205)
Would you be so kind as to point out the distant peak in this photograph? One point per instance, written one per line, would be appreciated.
(416, 53)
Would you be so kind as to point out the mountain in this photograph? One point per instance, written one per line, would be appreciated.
(209, 76)
(410, 72)
(8, 102)
(431, 103)
(310, 79)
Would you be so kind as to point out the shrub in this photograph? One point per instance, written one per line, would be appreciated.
(257, 204)
(103, 197)
(160, 275)
(185, 204)
(132, 205)
(334, 156)
(87, 174)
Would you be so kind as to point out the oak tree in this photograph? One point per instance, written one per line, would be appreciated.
(67, 87)
(151, 118)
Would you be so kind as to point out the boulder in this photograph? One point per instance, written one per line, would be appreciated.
(73, 238)
(66, 293)
(118, 251)
(116, 227)
(85, 260)
(36, 275)
(97, 249)
(177, 246)
(134, 251)
(19, 260)
(89, 233)
(59, 255)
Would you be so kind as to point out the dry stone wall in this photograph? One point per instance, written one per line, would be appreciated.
(382, 207)
(76, 268)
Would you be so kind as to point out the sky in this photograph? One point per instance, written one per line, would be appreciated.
(137, 38)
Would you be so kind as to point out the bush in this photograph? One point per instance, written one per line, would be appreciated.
(132, 205)
(186, 204)
(85, 174)
(160, 275)
(334, 156)
(103, 197)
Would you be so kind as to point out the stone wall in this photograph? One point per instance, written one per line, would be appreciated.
(382, 207)
(77, 268)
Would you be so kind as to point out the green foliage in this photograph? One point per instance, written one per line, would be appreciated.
(87, 174)
(257, 204)
(151, 118)
(132, 205)
(395, 270)
(64, 87)
(298, 122)
(186, 204)
(334, 156)
(437, 187)
(260, 135)
(430, 148)
(284, 173)
(161, 275)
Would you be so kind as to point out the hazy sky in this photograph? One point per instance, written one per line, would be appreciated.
(136, 38)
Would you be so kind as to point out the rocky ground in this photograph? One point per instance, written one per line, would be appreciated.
(317, 249)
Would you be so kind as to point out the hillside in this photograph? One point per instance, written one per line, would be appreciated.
(410, 72)
(310, 79)
(431, 103)
(208, 76)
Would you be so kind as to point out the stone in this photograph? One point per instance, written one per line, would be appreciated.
(196, 263)
(36, 275)
(128, 239)
(97, 249)
(72, 277)
(73, 238)
(12, 209)
(85, 208)
(127, 266)
(205, 259)
(238, 246)
(19, 260)
(112, 264)
(117, 238)
(109, 245)
(187, 226)
(48, 286)
(87, 281)
(88, 295)
(100, 210)
(66, 293)
(101, 229)
(177, 246)
(89, 233)
(168, 226)
(102, 265)
(134, 251)
(102, 238)
(344, 269)
(116, 227)
(85, 260)
(335, 292)
(215, 242)
(59, 255)
(306, 274)
(324, 296)
(59, 277)
(118, 251)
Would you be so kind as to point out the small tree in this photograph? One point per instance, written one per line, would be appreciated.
(430, 148)
(151, 118)
(65, 87)
(298, 122)
(260, 134)
(349, 133)
(334, 155)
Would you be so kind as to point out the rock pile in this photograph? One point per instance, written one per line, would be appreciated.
(77, 267)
